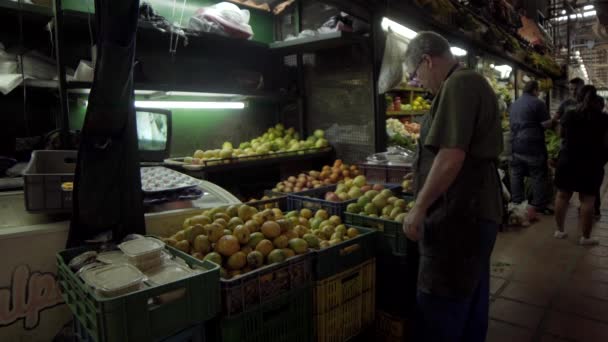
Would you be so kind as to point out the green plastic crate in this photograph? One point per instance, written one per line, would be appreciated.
(135, 316)
(391, 239)
(345, 255)
(287, 318)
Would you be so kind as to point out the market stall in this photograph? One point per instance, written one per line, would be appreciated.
(268, 191)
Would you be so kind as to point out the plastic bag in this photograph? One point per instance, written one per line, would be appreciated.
(391, 72)
(224, 18)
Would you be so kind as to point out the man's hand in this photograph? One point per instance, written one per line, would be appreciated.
(412, 225)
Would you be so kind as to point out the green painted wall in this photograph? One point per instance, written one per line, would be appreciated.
(262, 23)
(205, 129)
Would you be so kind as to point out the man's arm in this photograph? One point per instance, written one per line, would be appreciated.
(446, 166)
(445, 169)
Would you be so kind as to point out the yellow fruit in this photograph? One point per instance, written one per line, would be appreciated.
(341, 229)
(306, 213)
(222, 222)
(352, 232)
(291, 235)
(311, 240)
(254, 239)
(198, 255)
(179, 236)
(202, 244)
(288, 252)
(281, 241)
(217, 232)
(322, 214)
(258, 218)
(242, 234)
(334, 242)
(246, 249)
(183, 246)
(277, 213)
(255, 259)
(252, 226)
(324, 244)
(335, 220)
(304, 222)
(237, 261)
(276, 256)
(195, 231)
(285, 225)
(246, 212)
(298, 245)
(271, 229)
(264, 247)
(214, 257)
(234, 222)
(300, 230)
(228, 245)
(199, 219)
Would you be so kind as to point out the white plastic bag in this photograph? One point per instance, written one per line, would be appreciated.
(223, 18)
(391, 72)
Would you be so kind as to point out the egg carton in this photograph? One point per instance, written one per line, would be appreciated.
(159, 179)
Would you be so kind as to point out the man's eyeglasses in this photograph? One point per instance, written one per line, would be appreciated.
(415, 73)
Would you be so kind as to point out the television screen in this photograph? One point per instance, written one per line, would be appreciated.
(153, 132)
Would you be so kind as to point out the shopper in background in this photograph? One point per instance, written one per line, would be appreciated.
(529, 118)
(574, 86)
(458, 205)
(581, 161)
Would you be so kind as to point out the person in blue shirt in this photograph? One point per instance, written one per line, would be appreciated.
(529, 118)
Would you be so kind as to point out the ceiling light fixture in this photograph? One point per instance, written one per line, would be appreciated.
(458, 52)
(398, 28)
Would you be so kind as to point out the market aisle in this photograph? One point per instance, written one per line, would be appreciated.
(545, 290)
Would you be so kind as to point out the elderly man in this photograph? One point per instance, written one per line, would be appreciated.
(458, 205)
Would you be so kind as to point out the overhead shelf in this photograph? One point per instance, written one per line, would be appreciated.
(318, 42)
(253, 163)
(26, 7)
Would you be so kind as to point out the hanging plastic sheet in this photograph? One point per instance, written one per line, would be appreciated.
(107, 192)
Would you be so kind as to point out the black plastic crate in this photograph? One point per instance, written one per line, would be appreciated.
(314, 200)
(255, 288)
(196, 333)
(391, 238)
(287, 317)
(345, 255)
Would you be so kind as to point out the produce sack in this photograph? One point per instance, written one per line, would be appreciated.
(224, 18)
(107, 185)
(391, 72)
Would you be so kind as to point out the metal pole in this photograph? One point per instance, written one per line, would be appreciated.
(63, 97)
(379, 104)
(568, 46)
(303, 106)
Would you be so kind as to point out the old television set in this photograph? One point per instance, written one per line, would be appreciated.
(154, 129)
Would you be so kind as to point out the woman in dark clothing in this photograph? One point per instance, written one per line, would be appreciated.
(580, 163)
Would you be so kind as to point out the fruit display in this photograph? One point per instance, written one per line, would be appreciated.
(241, 239)
(407, 185)
(404, 134)
(316, 179)
(352, 189)
(383, 204)
(277, 139)
(419, 104)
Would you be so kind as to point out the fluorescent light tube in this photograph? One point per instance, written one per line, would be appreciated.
(458, 52)
(398, 28)
(588, 7)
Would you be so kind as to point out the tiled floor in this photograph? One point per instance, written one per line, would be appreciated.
(549, 290)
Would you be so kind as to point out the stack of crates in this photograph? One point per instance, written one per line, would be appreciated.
(344, 294)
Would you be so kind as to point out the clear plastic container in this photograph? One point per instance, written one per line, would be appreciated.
(114, 280)
(113, 258)
(141, 250)
(167, 273)
(147, 264)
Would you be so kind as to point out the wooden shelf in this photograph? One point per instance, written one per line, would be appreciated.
(316, 43)
(407, 113)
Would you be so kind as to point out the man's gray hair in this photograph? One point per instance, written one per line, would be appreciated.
(425, 43)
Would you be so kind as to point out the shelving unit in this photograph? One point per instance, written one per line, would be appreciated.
(407, 113)
(319, 42)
